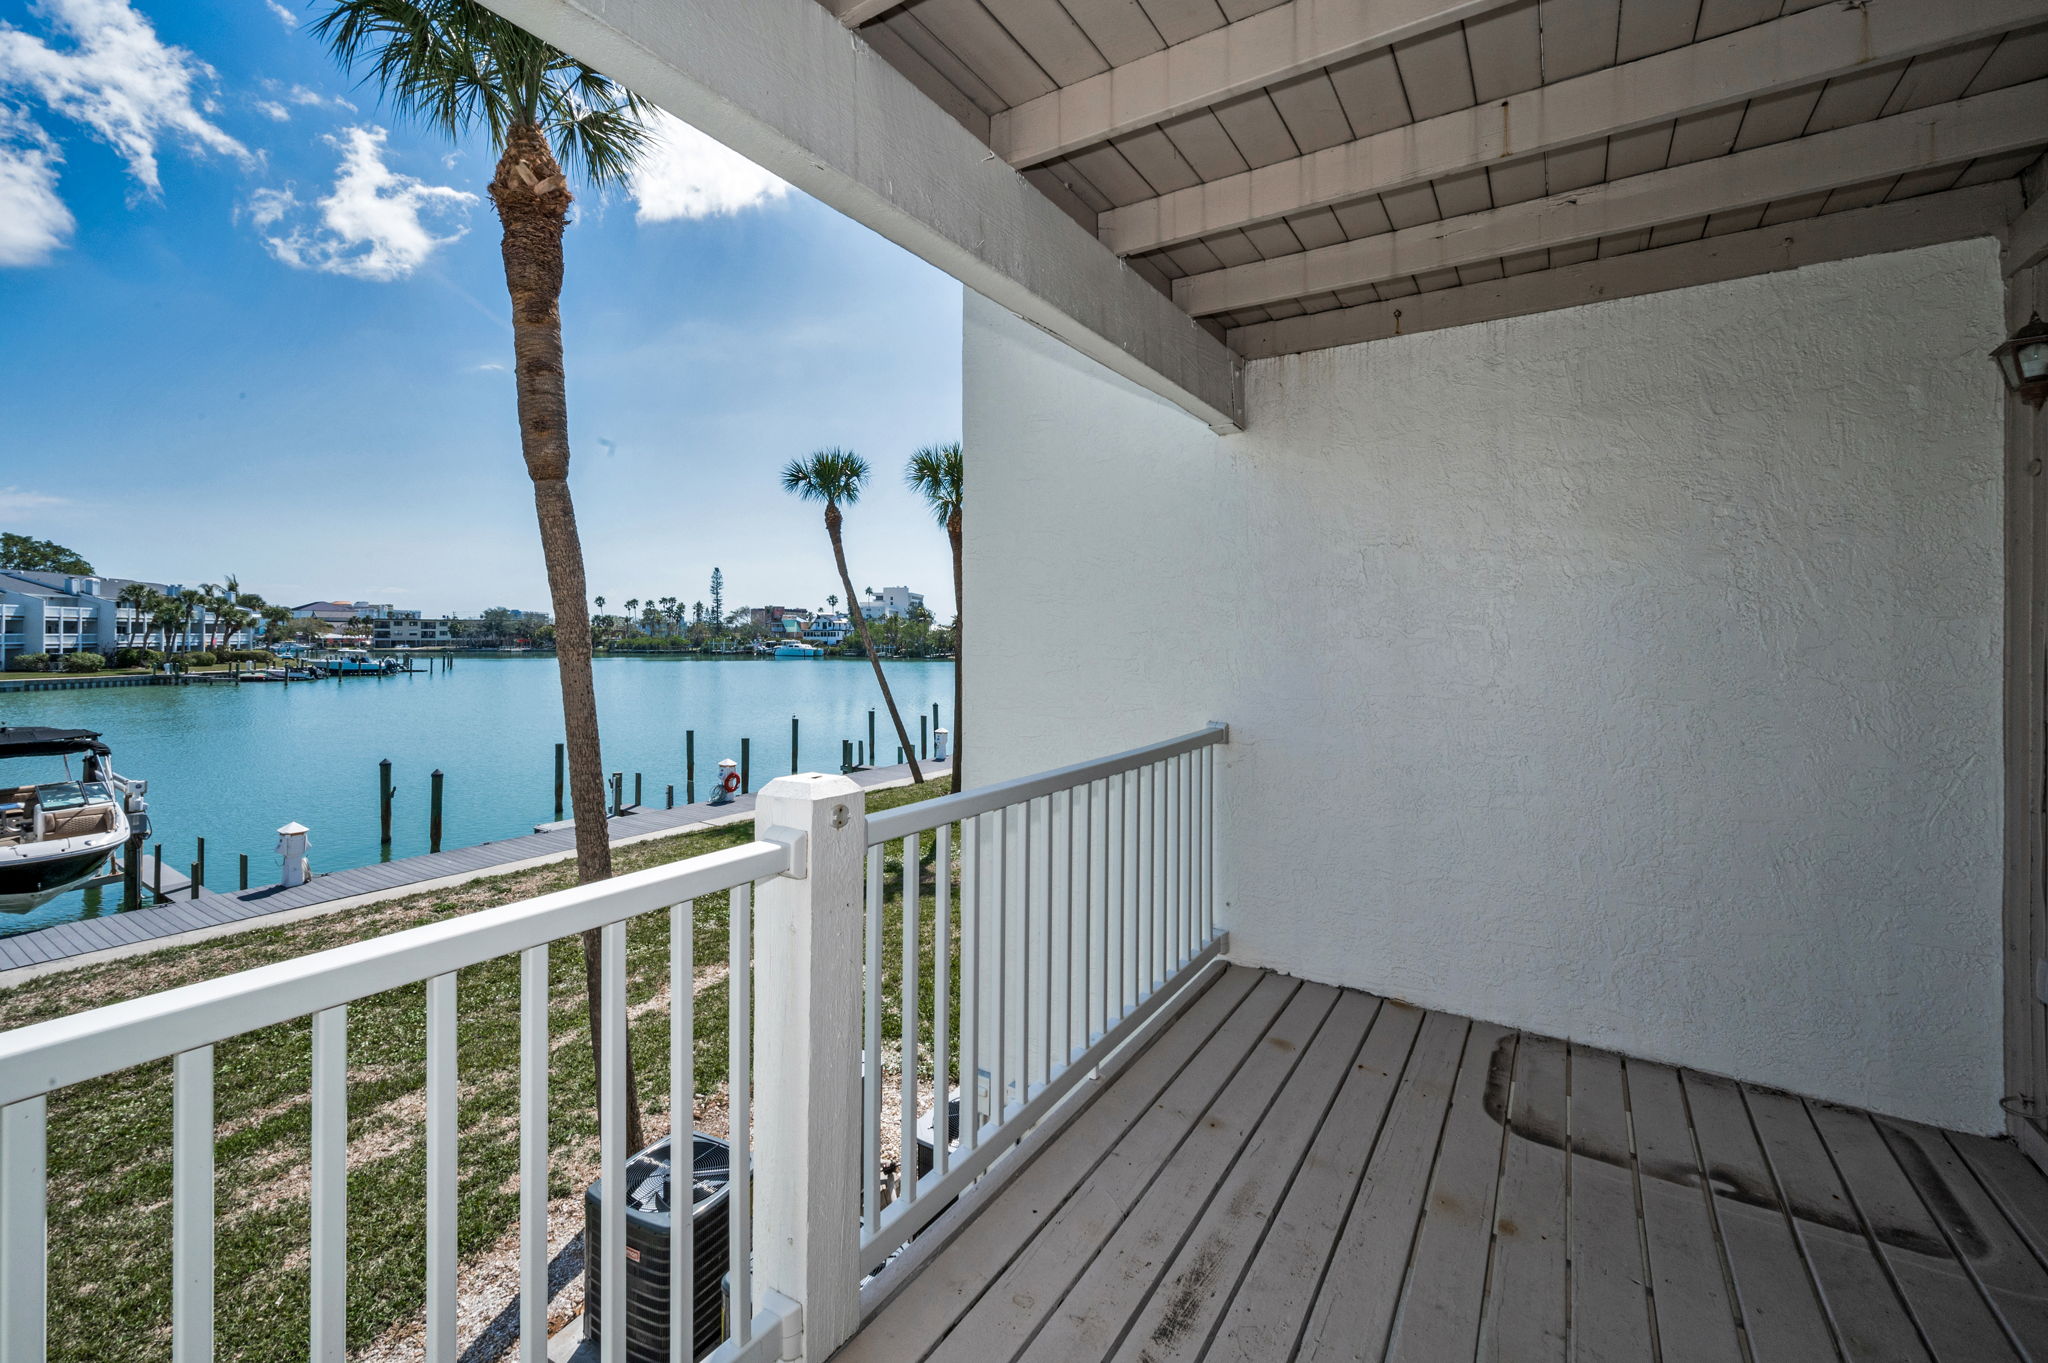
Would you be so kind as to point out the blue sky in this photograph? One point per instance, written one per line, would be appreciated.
(250, 324)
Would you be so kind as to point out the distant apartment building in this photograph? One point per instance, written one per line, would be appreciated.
(341, 612)
(891, 603)
(407, 629)
(82, 613)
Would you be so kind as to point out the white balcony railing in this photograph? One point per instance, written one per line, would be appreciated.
(1084, 895)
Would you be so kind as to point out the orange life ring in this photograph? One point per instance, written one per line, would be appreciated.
(731, 783)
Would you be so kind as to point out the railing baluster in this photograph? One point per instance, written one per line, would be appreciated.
(329, 1176)
(871, 1056)
(24, 1231)
(533, 1155)
(999, 1060)
(1181, 935)
(1067, 974)
(942, 981)
(441, 1171)
(192, 1206)
(1209, 842)
(970, 982)
(1022, 951)
(611, 1139)
(682, 1129)
(740, 1135)
(1161, 927)
(1126, 926)
(906, 1099)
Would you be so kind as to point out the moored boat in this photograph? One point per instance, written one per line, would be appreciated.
(55, 835)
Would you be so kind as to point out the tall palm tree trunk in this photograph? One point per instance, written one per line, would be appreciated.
(532, 199)
(959, 630)
(833, 520)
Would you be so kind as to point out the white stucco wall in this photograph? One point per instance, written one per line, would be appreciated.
(1629, 673)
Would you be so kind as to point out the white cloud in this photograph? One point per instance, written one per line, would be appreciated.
(376, 224)
(685, 174)
(284, 16)
(16, 501)
(489, 367)
(270, 108)
(34, 222)
(118, 79)
(314, 99)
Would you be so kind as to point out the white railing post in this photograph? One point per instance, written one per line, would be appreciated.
(808, 953)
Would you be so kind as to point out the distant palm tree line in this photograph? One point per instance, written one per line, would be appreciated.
(216, 611)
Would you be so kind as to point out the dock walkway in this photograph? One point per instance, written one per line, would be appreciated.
(215, 908)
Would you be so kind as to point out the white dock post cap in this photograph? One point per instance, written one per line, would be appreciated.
(941, 738)
(293, 827)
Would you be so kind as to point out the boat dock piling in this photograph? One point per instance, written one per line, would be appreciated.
(434, 818)
(384, 794)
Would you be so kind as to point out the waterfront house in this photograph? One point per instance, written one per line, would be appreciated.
(408, 629)
(81, 613)
(1624, 938)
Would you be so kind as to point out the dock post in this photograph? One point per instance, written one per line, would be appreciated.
(636, 790)
(434, 817)
(131, 874)
(194, 889)
(200, 874)
(845, 755)
(245, 870)
(860, 754)
(872, 749)
(559, 750)
(935, 715)
(384, 801)
(746, 766)
(618, 793)
(923, 749)
(671, 798)
(792, 745)
(156, 862)
(689, 766)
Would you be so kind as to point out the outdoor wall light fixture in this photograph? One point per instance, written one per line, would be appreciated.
(2023, 360)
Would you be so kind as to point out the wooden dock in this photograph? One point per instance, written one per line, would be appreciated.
(214, 908)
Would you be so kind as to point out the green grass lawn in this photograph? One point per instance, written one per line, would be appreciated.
(110, 1139)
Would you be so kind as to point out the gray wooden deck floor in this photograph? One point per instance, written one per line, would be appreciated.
(1291, 1171)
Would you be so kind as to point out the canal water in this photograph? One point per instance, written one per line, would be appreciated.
(233, 763)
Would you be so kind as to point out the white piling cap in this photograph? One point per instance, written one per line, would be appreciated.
(294, 827)
(727, 762)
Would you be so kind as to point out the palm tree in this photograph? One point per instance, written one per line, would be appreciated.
(459, 67)
(135, 596)
(836, 477)
(936, 474)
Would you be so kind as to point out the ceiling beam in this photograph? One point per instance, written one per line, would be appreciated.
(782, 84)
(2027, 245)
(1800, 49)
(1981, 210)
(1984, 125)
(1287, 40)
(854, 13)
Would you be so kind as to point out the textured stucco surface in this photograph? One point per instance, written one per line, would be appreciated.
(1629, 673)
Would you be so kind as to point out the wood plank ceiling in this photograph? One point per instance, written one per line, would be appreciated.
(1272, 159)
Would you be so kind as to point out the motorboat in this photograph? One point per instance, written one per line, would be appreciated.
(56, 835)
(798, 651)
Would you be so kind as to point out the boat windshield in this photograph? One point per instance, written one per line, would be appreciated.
(73, 794)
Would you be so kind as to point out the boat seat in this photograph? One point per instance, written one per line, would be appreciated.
(76, 823)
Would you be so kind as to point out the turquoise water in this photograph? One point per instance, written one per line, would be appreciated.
(233, 763)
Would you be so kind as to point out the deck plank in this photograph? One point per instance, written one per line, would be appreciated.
(1870, 1320)
(1441, 1304)
(2008, 1272)
(1953, 1318)
(1354, 1308)
(1072, 1316)
(1227, 1017)
(1610, 1285)
(1780, 1310)
(1271, 1302)
(1196, 1286)
(1525, 1309)
(1688, 1287)
(2013, 1181)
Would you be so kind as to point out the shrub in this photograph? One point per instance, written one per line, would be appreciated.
(137, 657)
(83, 662)
(196, 658)
(29, 662)
(247, 655)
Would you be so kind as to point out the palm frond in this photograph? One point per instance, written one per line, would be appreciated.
(833, 476)
(457, 67)
(937, 474)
